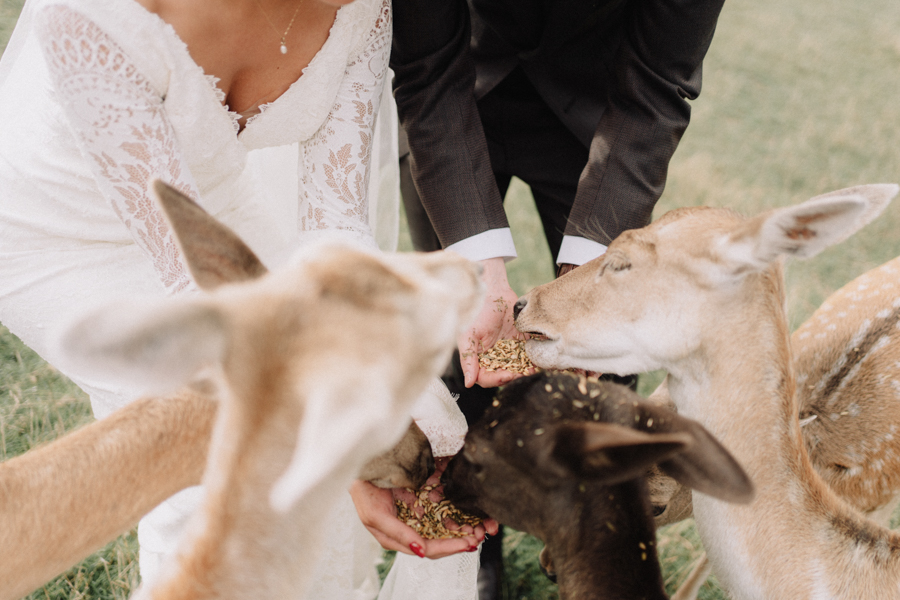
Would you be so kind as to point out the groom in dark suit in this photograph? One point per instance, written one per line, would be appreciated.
(584, 100)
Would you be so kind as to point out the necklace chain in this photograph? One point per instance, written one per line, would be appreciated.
(275, 29)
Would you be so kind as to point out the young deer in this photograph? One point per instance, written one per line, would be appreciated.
(562, 458)
(315, 368)
(700, 294)
(847, 395)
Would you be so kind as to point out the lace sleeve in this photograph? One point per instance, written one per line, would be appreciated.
(335, 163)
(121, 127)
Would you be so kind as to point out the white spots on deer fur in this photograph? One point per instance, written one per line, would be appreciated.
(831, 327)
(884, 314)
(854, 410)
(850, 350)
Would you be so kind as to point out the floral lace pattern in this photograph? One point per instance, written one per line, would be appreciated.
(107, 101)
(334, 176)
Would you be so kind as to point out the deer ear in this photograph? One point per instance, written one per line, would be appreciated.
(214, 253)
(705, 465)
(152, 346)
(612, 453)
(806, 229)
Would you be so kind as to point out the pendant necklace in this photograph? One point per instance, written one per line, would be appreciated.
(272, 25)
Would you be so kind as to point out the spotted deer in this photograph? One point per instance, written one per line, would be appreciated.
(314, 369)
(848, 386)
(700, 293)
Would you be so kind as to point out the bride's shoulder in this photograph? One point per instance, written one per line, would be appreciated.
(365, 20)
(139, 33)
(110, 15)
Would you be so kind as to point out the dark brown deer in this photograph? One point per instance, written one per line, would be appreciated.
(562, 458)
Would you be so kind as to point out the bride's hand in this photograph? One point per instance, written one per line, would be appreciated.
(376, 510)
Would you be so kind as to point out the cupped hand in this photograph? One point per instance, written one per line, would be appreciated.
(376, 510)
(494, 322)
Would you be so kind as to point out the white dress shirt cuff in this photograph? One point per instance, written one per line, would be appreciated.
(492, 243)
(578, 250)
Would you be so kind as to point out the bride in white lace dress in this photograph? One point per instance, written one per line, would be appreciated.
(265, 111)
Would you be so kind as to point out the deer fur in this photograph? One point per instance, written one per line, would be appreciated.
(315, 369)
(847, 358)
(62, 501)
(846, 362)
(847, 365)
(561, 457)
(700, 294)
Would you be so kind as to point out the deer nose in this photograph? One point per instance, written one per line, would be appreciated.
(518, 306)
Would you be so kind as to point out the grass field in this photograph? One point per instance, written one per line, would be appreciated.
(799, 98)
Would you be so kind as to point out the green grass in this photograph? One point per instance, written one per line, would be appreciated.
(799, 98)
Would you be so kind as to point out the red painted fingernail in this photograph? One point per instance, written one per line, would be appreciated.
(417, 550)
(472, 549)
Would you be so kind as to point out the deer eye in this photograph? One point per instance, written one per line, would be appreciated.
(616, 262)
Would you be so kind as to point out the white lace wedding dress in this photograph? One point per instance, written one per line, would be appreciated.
(100, 97)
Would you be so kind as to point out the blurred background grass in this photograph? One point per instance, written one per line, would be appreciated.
(799, 98)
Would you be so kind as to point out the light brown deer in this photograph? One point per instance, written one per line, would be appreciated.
(699, 293)
(315, 368)
(847, 364)
(64, 500)
(848, 386)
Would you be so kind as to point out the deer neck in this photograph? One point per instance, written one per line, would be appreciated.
(615, 557)
(739, 382)
(741, 387)
(235, 529)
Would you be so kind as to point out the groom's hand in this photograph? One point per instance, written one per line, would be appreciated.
(494, 322)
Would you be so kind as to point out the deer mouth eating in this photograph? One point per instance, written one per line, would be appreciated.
(537, 336)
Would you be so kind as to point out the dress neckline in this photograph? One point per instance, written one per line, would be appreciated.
(254, 112)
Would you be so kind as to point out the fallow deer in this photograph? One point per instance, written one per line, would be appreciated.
(562, 458)
(700, 294)
(847, 394)
(315, 368)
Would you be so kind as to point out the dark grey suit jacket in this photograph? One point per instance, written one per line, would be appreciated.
(617, 73)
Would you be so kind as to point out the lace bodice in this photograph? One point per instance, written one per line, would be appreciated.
(137, 116)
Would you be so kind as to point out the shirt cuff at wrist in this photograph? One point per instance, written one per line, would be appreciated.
(493, 243)
(578, 250)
